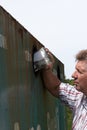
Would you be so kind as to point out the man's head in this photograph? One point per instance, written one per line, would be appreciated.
(81, 55)
(80, 74)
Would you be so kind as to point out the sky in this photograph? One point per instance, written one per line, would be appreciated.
(60, 25)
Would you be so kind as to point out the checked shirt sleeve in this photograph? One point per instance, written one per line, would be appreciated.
(69, 95)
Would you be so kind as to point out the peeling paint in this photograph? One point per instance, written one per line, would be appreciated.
(28, 56)
(48, 120)
(38, 127)
(3, 43)
(16, 126)
(31, 128)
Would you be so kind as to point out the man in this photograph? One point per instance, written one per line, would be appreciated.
(73, 96)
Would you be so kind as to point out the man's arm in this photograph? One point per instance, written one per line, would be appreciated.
(51, 81)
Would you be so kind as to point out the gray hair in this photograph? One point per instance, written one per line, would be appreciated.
(81, 55)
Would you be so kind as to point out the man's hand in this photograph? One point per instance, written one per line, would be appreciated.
(50, 65)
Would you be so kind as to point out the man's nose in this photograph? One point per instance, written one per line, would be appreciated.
(74, 75)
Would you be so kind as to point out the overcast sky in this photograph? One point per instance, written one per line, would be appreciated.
(60, 25)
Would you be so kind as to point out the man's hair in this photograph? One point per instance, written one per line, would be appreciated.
(81, 55)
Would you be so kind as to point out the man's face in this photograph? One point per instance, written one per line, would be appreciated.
(80, 76)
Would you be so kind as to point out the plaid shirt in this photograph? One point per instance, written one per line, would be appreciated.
(77, 101)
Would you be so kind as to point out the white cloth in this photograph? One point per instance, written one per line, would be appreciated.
(77, 101)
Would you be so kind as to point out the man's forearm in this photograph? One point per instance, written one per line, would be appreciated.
(51, 81)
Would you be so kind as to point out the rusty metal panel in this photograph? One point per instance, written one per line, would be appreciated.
(24, 102)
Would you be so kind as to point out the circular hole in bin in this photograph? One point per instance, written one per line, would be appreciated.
(33, 51)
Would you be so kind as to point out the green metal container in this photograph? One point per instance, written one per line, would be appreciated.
(25, 104)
